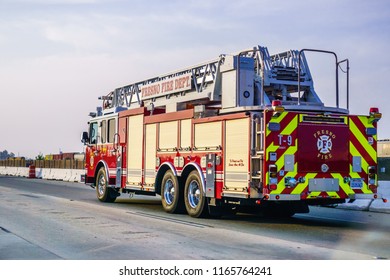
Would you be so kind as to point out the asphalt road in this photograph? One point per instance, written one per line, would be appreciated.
(47, 220)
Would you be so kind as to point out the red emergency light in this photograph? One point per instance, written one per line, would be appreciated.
(277, 106)
(374, 114)
(276, 103)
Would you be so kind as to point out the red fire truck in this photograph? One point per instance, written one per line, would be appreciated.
(242, 132)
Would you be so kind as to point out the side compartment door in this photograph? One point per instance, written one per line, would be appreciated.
(135, 150)
(150, 155)
(237, 146)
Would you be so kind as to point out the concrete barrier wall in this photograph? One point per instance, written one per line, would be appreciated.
(68, 175)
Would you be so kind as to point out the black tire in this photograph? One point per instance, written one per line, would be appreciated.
(103, 192)
(194, 196)
(171, 195)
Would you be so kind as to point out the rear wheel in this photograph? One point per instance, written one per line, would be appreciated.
(103, 192)
(170, 193)
(194, 197)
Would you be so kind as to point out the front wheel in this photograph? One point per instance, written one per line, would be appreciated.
(103, 192)
(194, 197)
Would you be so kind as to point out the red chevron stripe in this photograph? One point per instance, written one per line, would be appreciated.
(360, 125)
(281, 152)
(283, 124)
(355, 141)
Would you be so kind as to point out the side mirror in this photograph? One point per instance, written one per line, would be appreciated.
(84, 138)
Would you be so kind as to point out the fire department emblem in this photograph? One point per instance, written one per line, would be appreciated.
(324, 144)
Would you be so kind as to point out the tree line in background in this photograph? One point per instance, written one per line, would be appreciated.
(5, 154)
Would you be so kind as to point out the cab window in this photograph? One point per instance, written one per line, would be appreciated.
(104, 132)
(111, 130)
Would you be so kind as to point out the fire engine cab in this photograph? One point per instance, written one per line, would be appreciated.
(242, 132)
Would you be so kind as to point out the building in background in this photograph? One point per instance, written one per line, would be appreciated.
(384, 159)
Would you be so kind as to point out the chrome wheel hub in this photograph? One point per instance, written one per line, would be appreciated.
(169, 192)
(101, 185)
(193, 194)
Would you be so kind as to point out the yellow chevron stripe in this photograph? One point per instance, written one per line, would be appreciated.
(333, 194)
(362, 139)
(280, 162)
(280, 188)
(279, 118)
(267, 131)
(316, 194)
(345, 186)
(355, 175)
(290, 151)
(313, 195)
(291, 126)
(276, 120)
(286, 131)
(270, 149)
(300, 187)
(354, 152)
(366, 123)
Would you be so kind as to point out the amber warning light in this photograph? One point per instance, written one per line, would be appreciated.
(374, 114)
(277, 106)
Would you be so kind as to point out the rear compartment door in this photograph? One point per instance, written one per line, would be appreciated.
(323, 144)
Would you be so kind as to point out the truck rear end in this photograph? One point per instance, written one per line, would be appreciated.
(320, 158)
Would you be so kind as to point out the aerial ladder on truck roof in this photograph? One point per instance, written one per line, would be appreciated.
(248, 80)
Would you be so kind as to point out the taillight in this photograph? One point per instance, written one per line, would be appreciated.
(273, 171)
(371, 171)
(273, 176)
(372, 177)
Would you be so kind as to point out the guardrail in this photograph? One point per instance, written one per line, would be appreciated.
(60, 164)
(69, 175)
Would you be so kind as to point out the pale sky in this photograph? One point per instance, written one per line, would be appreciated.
(58, 56)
